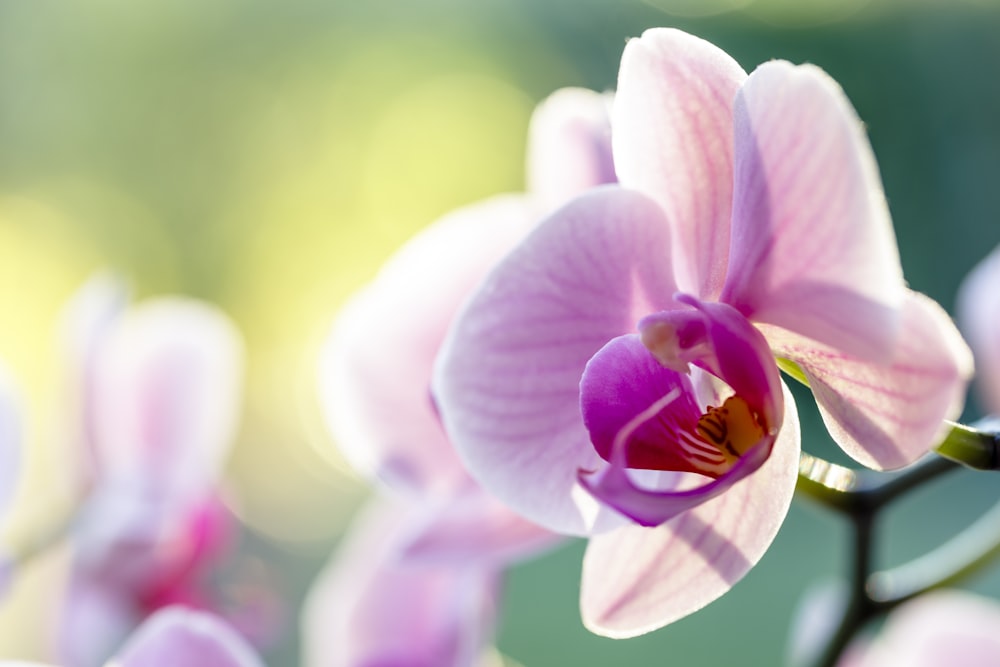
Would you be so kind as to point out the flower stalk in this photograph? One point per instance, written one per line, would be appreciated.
(861, 496)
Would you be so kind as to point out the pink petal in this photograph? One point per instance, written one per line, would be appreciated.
(813, 248)
(474, 528)
(10, 441)
(940, 628)
(569, 146)
(85, 321)
(168, 387)
(178, 636)
(508, 377)
(370, 606)
(888, 415)
(637, 579)
(978, 307)
(672, 130)
(376, 367)
(94, 620)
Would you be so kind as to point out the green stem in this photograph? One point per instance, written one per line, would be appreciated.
(973, 446)
(860, 608)
(861, 495)
(962, 556)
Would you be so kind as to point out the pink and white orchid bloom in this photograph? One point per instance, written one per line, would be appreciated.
(750, 224)
(938, 629)
(157, 399)
(179, 636)
(978, 306)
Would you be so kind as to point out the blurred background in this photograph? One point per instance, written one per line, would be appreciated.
(269, 156)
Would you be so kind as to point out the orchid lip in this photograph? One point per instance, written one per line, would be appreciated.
(695, 392)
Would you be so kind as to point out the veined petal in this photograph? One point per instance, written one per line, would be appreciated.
(813, 248)
(672, 133)
(888, 415)
(168, 389)
(978, 307)
(638, 579)
(569, 146)
(372, 606)
(376, 366)
(179, 636)
(507, 381)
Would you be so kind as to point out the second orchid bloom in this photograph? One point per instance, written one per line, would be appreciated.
(616, 376)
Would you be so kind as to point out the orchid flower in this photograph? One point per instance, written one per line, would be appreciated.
(939, 628)
(430, 573)
(157, 406)
(179, 636)
(616, 375)
(979, 316)
(372, 606)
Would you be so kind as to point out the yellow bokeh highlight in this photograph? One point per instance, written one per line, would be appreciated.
(340, 178)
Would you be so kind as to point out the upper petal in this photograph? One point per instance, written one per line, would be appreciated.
(167, 395)
(672, 132)
(886, 415)
(569, 145)
(978, 314)
(813, 248)
(638, 579)
(376, 367)
(507, 381)
(179, 636)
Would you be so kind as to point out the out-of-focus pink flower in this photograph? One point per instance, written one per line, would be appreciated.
(158, 389)
(175, 636)
(446, 548)
(978, 306)
(372, 606)
(179, 636)
(750, 224)
(939, 629)
(10, 461)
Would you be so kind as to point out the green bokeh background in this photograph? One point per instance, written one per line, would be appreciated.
(269, 156)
